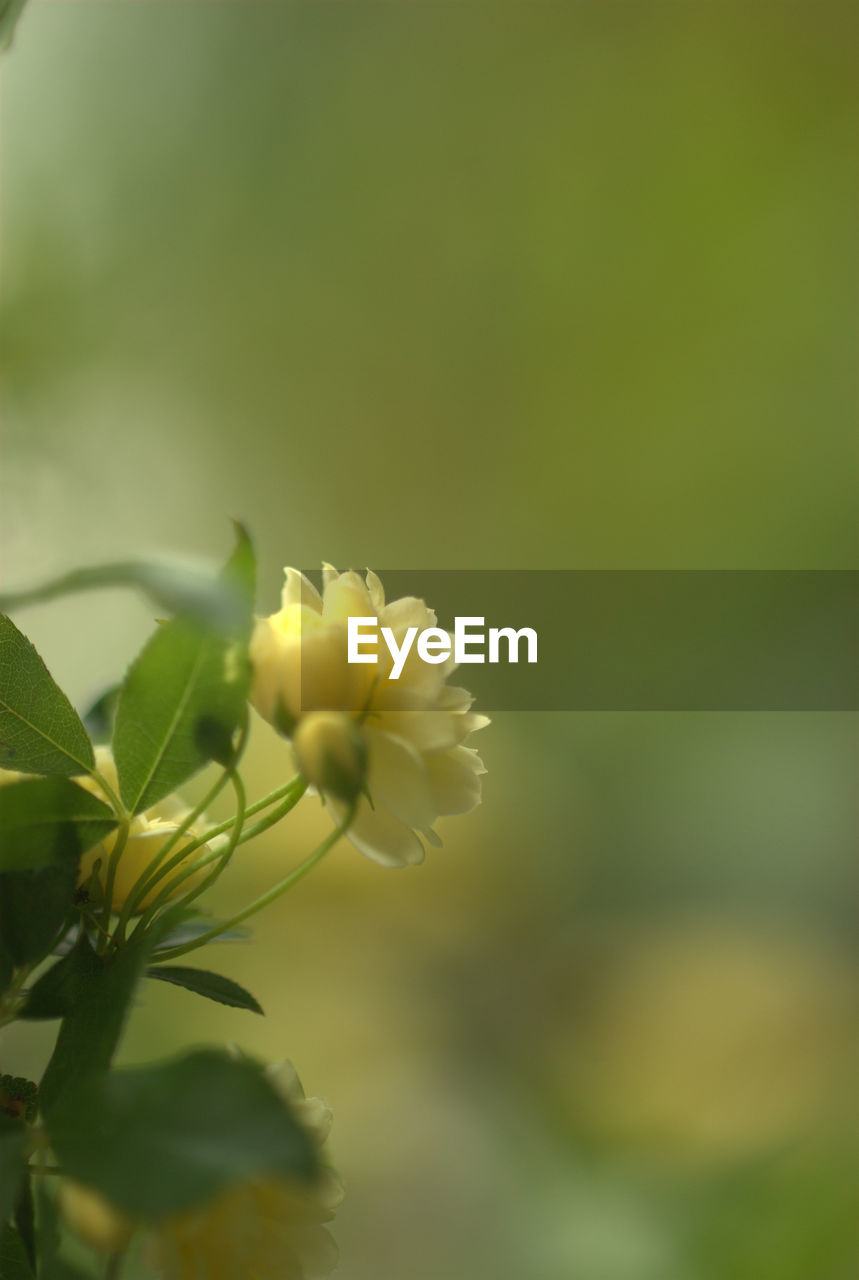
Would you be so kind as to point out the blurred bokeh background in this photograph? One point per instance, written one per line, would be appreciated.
(495, 286)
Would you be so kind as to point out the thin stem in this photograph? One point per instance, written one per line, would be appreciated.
(158, 868)
(13, 998)
(224, 857)
(112, 864)
(112, 797)
(295, 783)
(265, 900)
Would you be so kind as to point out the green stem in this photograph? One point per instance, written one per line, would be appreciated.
(265, 900)
(13, 998)
(112, 864)
(158, 868)
(112, 797)
(296, 784)
(224, 857)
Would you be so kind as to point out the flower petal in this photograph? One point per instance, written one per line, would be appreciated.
(454, 780)
(300, 590)
(397, 779)
(380, 836)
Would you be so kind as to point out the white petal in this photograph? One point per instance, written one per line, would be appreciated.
(407, 612)
(347, 597)
(425, 730)
(397, 779)
(454, 780)
(379, 835)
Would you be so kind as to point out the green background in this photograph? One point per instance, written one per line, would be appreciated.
(481, 286)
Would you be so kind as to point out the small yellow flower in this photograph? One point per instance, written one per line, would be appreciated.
(415, 727)
(148, 833)
(265, 1229)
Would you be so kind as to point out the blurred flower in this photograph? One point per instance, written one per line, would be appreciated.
(93, 1219)
(415, 727)
(265, 1229)
(148, 833)
(331, 753)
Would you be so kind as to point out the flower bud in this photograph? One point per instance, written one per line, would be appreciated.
(94, 1220)
(145, 841)
(331, 753)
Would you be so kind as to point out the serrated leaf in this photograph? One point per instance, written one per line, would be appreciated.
(175, 1135)
(58, 990)
(13, 1143)
(90, 1032)
(204, 983)
(49, 822)
(179, 708)
(40, 731)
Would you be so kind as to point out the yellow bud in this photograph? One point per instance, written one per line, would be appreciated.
(331, 753)
(94, 1220)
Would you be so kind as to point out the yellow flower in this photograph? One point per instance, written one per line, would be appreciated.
(265, 1229)
(148, 833)
(415, 727)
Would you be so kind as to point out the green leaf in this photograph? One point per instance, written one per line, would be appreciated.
(13, 1142)
(99, 718)
(238, 580)
(179, 708)
(184, 696)
(40, 731)
(49, 822)
(45, 826)
(91, 1030)
(58, 990)
(14, 1263)
(195, 928)
(174, 586)
(34, 905)
(211, 985)
(175, 1135)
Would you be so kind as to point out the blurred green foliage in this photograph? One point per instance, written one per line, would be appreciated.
(478, 285)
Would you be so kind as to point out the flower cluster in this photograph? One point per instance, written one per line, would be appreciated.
(221, 1166)
(402, 743)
